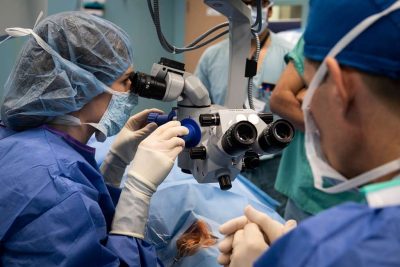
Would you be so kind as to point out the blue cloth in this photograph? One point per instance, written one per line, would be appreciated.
(189, 201)
(180, 200)
(348, 235)
(55, 207)
(212, 69)
(376, 50)
(95, 53)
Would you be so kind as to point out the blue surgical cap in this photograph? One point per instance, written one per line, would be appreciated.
(94, 52)
(376, 50)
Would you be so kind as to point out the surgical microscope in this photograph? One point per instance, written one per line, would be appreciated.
(222, 140)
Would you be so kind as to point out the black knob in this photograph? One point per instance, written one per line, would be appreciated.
(225, 182)
(209, 119)
(251, 160)
(198, 153)
(266, 117)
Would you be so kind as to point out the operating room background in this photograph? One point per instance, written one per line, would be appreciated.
(133, 16)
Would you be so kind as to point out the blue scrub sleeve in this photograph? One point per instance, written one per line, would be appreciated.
(73, 233)
(348, 235)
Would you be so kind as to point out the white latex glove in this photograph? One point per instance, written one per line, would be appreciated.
(270, 228)
(248, 245)
(153, 161)
(125, 145)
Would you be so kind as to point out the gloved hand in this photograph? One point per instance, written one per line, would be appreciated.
(248, 245)
(153, 161)
(125, 145)
(270, 228)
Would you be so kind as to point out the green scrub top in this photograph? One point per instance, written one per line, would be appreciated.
(294, 178)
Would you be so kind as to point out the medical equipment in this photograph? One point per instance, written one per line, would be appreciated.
(221, 140)
(226, 134)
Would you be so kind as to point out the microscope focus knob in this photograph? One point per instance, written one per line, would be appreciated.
(251, 160)
(209, 119)
(198, 153)
(266, 117)
(225, 182)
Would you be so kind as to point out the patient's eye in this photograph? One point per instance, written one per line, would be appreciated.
(197, 236)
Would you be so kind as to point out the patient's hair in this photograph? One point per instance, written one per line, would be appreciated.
(197, 236)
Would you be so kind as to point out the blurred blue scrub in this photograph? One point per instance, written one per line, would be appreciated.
(348, 235)
(56, 209)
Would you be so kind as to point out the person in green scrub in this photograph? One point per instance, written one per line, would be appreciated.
(294, 178)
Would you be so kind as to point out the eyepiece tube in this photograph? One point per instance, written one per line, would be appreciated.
(147, 86)
(239, 137)
(276, 136)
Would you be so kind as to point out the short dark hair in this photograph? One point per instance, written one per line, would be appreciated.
(254, 2)
(383, 87)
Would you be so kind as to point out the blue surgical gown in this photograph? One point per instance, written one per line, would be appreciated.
(55, 209)
(349, 235)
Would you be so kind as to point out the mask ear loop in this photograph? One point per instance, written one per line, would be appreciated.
(317, 79)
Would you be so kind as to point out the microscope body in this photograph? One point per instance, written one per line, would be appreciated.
(219, 138)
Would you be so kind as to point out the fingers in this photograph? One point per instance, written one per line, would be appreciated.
(175, 152)
(289, 225)
(225, 246)
(257, 217)
(138, 120)
(233, 225)
(175, 142)
(238, 238)
(224, 259)
(149, 128)
(253, 234)
(167, 126)
(270, 227)
(174, 132)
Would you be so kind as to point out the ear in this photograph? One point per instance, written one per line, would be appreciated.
(341, 83)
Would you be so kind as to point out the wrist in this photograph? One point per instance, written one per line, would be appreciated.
(131, 214)
(112, 168)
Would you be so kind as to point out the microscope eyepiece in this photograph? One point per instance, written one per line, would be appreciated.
(147, 86)
(276, 136)
(239, 137)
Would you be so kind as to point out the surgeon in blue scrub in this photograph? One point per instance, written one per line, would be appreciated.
(352, 125)
(69, 82)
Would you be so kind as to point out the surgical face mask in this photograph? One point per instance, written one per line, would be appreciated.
(117, 114)
(113, 120)
(324, 173)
